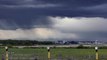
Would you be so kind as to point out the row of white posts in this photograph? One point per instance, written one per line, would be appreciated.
(96, 49)
(7, 57)
(6, 53)
(49, 54)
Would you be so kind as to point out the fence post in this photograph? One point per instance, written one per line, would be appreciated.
(96, 49)
(6, 52)
(49, 55)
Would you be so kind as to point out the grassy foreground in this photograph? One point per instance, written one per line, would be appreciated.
(55, 52)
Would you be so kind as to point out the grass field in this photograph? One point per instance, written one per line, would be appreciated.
(55, 52)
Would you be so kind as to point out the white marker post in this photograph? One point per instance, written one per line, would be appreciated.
(6, 52)
(96, 49)
(48, 48)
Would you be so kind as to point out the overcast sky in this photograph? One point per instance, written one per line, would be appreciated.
(53, 19)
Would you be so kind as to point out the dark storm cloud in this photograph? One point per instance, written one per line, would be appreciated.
(14, 19)
(34, 11)
(25, 4)
(35, 14)
(24, 24)
(71, 8)
(80, 8)
(17, 2)
(24, 13)
(77, 3)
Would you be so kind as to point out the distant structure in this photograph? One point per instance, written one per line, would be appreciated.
(96, 42)
(60, 42)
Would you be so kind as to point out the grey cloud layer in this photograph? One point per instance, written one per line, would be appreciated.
(81, 24)
(78, 19)
(78, 28)
(83, 28)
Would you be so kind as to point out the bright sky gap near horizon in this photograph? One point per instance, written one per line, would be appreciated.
(53, 19)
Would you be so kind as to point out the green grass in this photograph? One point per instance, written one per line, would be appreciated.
(76, 52)
(55, 52)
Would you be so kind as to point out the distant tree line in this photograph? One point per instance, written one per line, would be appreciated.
(25, 42)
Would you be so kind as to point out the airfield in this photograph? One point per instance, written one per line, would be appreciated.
(57, 52)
